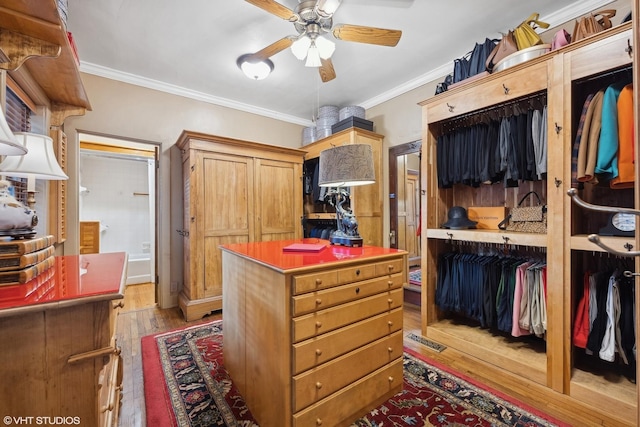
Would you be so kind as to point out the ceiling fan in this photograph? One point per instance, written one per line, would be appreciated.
(313, 19)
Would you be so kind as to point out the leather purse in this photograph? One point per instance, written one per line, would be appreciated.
(505, 47)
(526, 219)
(592, 24)
(525, 33)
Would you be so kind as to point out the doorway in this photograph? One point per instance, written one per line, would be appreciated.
(404, 199)
(118, 202)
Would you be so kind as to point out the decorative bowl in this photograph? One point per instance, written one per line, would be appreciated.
(521, 56)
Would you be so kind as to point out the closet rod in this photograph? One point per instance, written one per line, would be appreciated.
(453, 123)
(624, 70)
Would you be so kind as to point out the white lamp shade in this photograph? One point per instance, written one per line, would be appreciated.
(300, 47)
(313, 57)
(9, 145)
(327, 7)
(256, 70)
(39, 162)
(325, 47)
(346, 166)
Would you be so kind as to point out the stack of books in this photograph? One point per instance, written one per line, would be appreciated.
(23, 260)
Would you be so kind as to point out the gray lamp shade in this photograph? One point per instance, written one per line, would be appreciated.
(347, 166)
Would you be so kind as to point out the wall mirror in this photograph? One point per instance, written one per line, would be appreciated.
(404, 199)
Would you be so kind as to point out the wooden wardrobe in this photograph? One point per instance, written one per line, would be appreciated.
(234, 192)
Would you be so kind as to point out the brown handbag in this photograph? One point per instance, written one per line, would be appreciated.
(505, 47)
(526, 219)
(592, 24)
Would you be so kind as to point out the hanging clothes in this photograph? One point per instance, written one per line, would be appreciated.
(607, 156)
(626, 147)
(588, 149)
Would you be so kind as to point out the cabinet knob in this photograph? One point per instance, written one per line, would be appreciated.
(357, 290)
(390, 301)
(318, 385)
(390, 283)
(318, 352)
(318, 324)
(390, 268)
(318, 282)
(390, 379)
(318, 301)
(318, 422)
(390, 350)
(357, 272)
(390, 323)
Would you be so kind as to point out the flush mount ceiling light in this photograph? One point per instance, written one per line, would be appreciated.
(255, 70)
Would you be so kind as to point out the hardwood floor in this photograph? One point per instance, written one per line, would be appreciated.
(141, 316)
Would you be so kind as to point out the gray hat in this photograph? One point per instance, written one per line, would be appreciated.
(458, 219)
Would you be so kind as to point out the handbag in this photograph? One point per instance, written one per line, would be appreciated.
(526, 219)
(505, 47)
(525, 33)
(560, 38)
(592, 24)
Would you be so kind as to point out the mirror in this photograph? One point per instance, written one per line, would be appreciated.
(404, 199)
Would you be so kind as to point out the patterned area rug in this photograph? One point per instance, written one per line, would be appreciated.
(415, 277)
(186, 384)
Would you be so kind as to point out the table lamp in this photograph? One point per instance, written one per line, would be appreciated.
(341, 167)
(9, 145)
(39, 163)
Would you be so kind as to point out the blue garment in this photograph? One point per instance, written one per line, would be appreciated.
(607, 158)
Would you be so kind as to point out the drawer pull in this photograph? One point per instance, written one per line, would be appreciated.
(390, 283)
(318, 422)
(390, 301)
(318, 325)
(390, 323)
(390, 379)
(390, 268)
(357, 272)
(318, 385)
(318, 282)
(318, 352)
(357, 291)
(390, 350)
(318, 301)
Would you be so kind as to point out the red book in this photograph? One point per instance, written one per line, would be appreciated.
(304, 247)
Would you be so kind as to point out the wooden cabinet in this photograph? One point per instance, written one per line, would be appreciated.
(313, 339)
(591, 392)
(365, 201)
(63, 359)
(234, 192)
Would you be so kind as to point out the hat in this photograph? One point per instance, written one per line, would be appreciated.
(458, 219)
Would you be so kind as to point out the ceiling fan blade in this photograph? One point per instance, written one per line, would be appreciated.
(275, 8)
(327, 73)
(271, 50)
(371, 35)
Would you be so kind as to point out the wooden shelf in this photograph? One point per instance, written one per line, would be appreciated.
(514, 355)
(489, 236)
(581, 242)
(613, 392)
(59, 78)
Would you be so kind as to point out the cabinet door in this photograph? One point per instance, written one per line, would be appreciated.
(278, 200)
(222, 201)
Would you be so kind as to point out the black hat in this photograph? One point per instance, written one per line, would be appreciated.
(458, 219)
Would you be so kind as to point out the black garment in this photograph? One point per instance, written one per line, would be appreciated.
(599, 326)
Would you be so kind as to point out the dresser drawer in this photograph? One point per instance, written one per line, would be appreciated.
(312, 301)
(360, 272)
(109, 391)
(318, 383)
(315, 351)
(326, 320)
(348, 402)
(314, 281)
(389, 267)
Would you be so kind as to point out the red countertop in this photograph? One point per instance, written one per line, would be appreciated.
(73, 279)
(273, 253)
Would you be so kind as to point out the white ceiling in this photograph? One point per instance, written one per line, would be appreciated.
(190, 47)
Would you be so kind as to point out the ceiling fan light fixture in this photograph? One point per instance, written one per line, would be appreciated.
(326, 8)
(255, 70)
(300, 47)
(325, 47)
(313, 57)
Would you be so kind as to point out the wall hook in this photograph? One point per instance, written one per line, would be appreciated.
(506, 89)
(629, 49)
(558, 182)
(451, 107)
(558, 128)
(594, 238)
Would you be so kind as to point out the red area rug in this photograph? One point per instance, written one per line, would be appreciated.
(185, 384)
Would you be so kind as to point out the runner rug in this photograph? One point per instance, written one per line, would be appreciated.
(186, 384)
